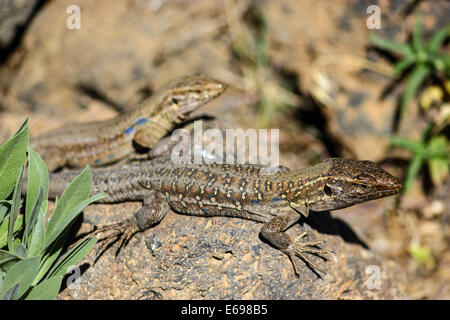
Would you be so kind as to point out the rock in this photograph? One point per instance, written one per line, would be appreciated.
(187, 257)
(13, 15)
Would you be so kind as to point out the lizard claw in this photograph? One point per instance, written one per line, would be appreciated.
(125, 230)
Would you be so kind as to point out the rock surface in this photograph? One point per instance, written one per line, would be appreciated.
(13, 14)
(187, 257)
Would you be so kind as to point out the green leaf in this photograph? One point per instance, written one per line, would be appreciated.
(38, 236)
(12, 293)
(438, 39)
(438, 147)
(4, 206)
(72, 202)
(73, 214)
(13, 155)
(413, 170)
(15, 206)
(7, 260)
(438, 161)
(413, 146)
(37, 182)
(78, 252)
(390, 45)
(78, 191)
(21, 250)
(417, 77)
(22, 273)
(33, 216)
(46, 290)
(417, 35)
(438, 168)
(403, 64)
(5, 226)
(50, 255)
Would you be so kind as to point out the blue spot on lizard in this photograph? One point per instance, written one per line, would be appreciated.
(141, 121)
(129, 130)
(276, 199)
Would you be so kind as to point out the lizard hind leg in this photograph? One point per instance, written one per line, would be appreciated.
(153, 210)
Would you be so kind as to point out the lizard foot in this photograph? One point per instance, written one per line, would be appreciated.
(298, 249)
(125, 230)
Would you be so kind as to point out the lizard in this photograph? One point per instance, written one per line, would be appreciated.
(103, 142)
(277, 197)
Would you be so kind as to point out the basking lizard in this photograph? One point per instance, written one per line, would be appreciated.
(104, 142)
(277, 198)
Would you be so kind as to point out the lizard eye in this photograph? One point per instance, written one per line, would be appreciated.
(327, 190)
(174, 100)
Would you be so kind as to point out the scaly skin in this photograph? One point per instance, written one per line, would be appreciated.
(103, 142)
(277, 198)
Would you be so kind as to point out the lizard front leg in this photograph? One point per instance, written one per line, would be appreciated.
(154, 208)
(273, 231)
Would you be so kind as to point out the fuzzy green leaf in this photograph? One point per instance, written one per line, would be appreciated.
(12, 293)
(38, 236)
(77, 192)
(7, 260)
(46, 290)
(73, 256)
(23, 273)
(33, 216)
(4, 229)
(4, 206)
(21, 250)
(73, 214)
(50, 255)
(15, 206)
(37, 190)
(13, 155)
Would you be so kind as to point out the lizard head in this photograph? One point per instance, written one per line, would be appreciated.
(338, 183)
(188, 93)
(349, 182)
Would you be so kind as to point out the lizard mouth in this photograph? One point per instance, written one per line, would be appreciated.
(386, 192)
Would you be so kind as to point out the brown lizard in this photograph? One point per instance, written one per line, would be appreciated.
(277, 198)
(104, 142)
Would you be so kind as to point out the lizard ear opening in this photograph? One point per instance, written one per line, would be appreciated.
(327, 190)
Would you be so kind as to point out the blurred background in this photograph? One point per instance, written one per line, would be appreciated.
(320, 71)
